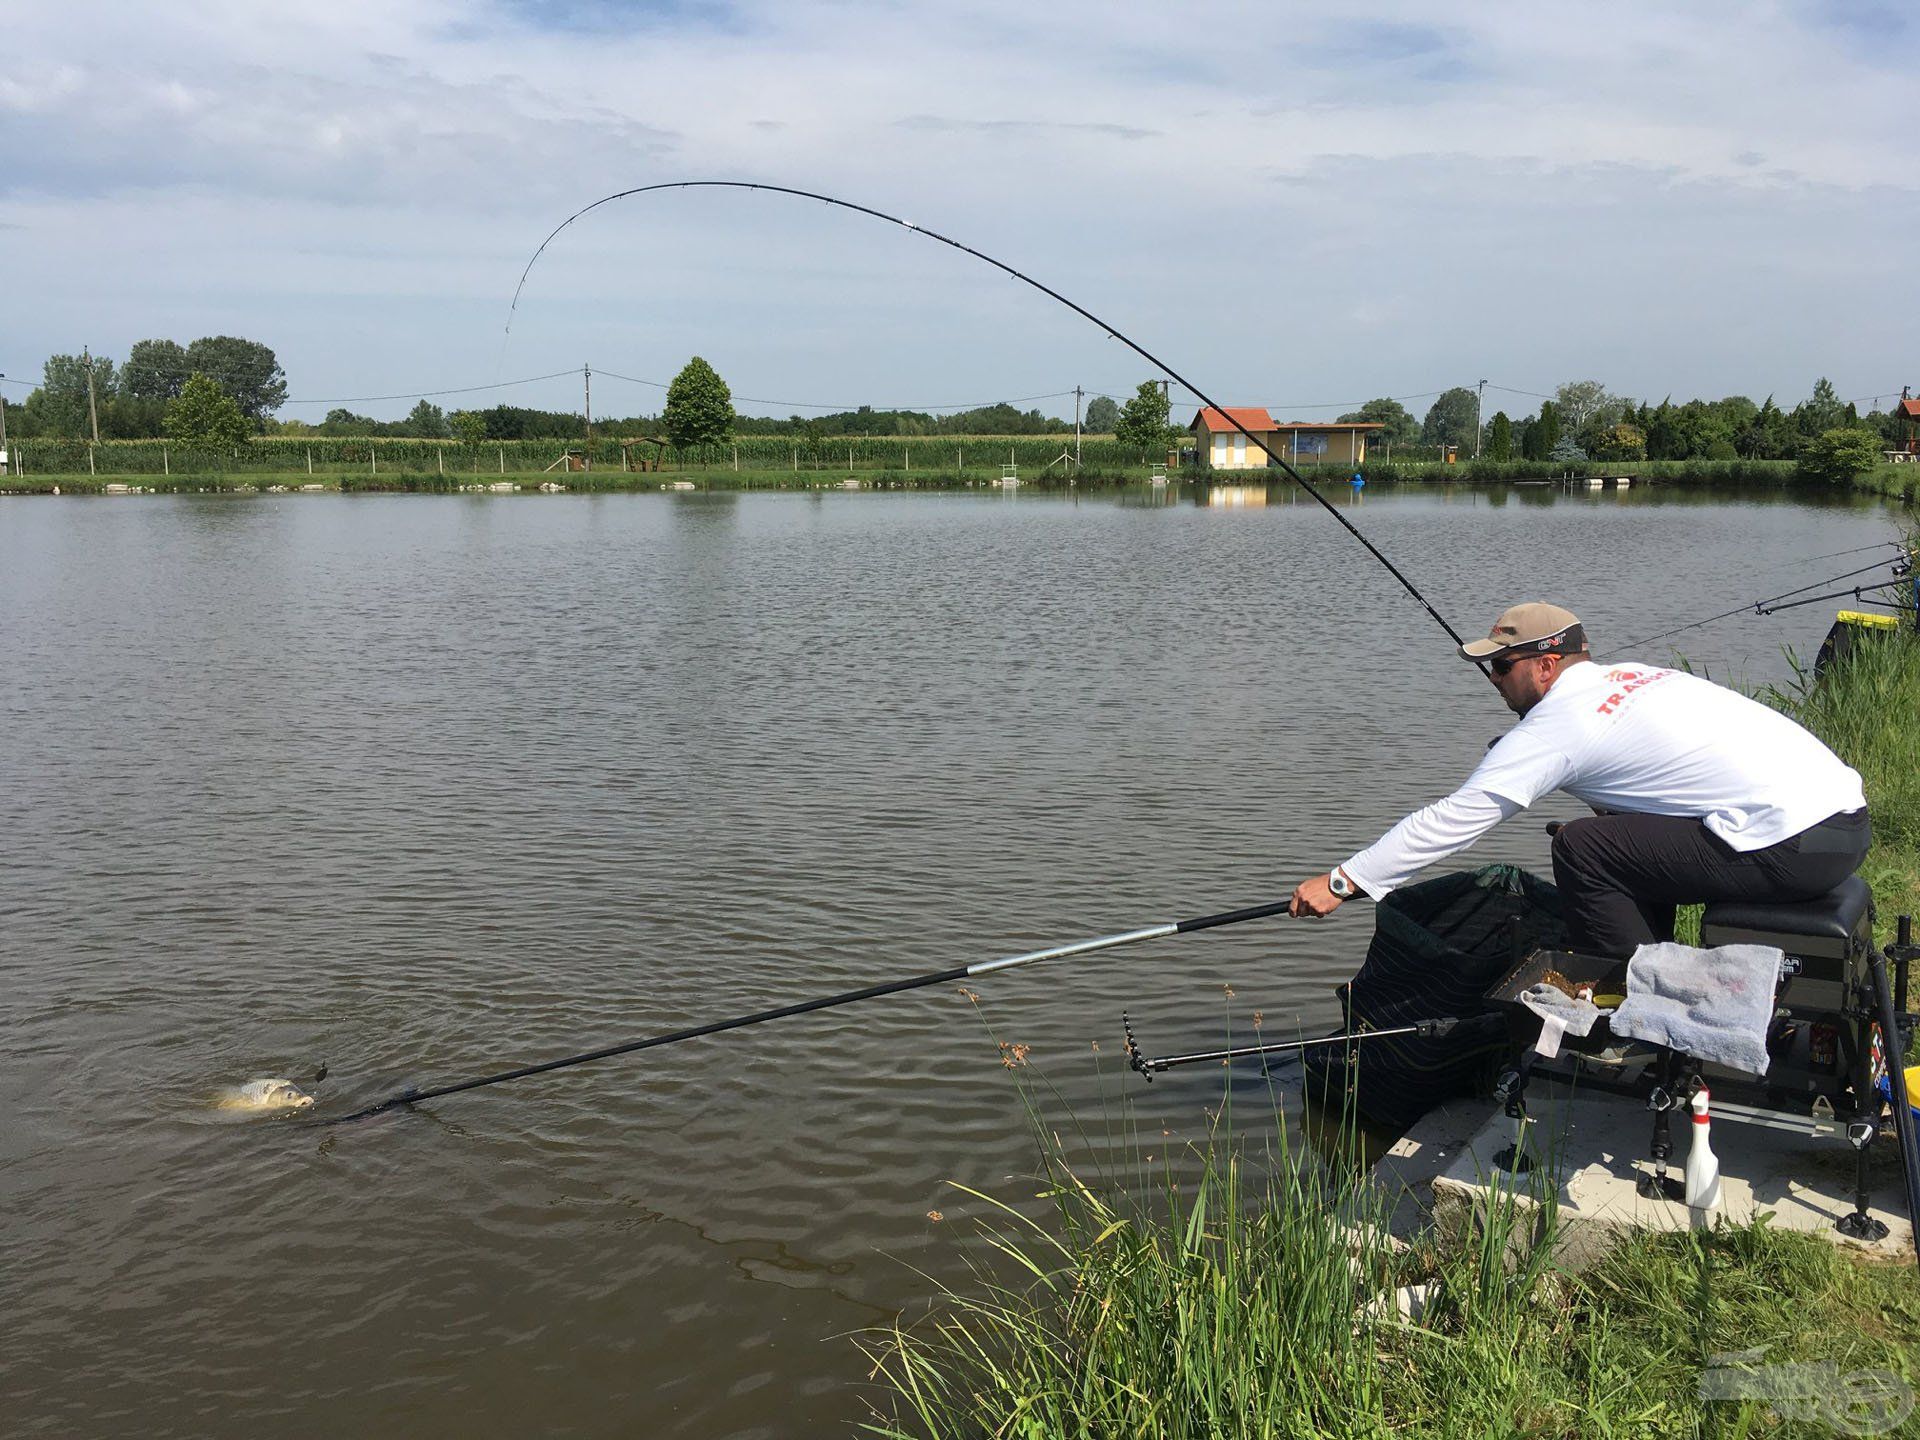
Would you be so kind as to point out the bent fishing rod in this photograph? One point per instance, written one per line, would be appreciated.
(1113, 332)
(826, 1002)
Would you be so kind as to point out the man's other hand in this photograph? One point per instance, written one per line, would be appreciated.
(1313, 898)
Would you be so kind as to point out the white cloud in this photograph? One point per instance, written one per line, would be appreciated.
(1355, 198)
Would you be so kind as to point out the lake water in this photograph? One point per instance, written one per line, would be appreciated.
(430, 787)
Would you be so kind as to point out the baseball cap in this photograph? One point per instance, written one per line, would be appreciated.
(1535, 627)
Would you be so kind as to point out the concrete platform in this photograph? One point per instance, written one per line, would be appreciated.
(1590, 1148)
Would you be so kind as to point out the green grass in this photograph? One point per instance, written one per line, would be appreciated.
(1867, 709)
(1229, 1296)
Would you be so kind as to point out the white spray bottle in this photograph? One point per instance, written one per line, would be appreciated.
(1703, 1166)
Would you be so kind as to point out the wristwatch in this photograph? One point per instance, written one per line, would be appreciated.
(1338, 883)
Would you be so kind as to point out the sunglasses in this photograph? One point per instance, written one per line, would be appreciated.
(1501, 666)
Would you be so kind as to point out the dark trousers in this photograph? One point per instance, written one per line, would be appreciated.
(1620, 876)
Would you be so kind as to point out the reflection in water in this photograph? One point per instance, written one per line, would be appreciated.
(1236, 496)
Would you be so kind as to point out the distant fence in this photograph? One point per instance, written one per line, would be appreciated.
(915, 460)
(334, 456)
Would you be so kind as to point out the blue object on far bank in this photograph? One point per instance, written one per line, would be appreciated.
(1359, 480)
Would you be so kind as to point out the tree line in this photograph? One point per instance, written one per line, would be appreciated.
(220, 389)
(1584, 421)
(164, 388)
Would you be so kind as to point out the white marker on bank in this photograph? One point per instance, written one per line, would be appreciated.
(1703, 1166)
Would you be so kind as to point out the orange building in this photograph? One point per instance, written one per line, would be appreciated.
(1221, 446)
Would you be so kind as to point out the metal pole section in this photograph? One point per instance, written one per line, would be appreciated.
(1903, 1126)
(1082, 947)
(93, 412)
(7, 467)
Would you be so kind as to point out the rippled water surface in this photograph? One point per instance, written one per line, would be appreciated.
(430, 787)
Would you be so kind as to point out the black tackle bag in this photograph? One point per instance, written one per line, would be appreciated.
(1437, 948)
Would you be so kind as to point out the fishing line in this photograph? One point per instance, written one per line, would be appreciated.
(1857, 550)
(878, 409)
(1080, 310)
(1759, 607)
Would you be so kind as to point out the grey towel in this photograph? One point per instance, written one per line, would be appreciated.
(1550, 1002)
(1711, 1004)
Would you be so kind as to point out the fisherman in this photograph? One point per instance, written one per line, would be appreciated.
(1698, 793)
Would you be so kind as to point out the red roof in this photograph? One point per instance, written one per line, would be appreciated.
(1256, 419)
(1253, 417)
(1910, 409)
(1329, 425)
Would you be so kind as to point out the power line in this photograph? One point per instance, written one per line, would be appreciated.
(1325, 404)
(884, 409)
(429, 394)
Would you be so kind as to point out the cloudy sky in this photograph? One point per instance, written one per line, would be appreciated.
(1296, 205)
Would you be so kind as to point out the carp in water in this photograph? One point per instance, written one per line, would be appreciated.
(265, 1095)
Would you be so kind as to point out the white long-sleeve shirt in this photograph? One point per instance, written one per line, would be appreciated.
(1634, 738)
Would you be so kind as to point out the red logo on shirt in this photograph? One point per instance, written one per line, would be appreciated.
(1628, 680)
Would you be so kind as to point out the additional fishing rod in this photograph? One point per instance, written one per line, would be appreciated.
(1112, 331)
(828, 1002)
(1901, 565)
(1862, 593)
(1150, 1066)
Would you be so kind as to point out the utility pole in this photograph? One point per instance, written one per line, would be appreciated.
(586, 373)
(93, 411)
(1479, 401)
(1076, 427)
(6, 459)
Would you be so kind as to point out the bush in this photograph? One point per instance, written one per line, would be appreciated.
(1835, 457)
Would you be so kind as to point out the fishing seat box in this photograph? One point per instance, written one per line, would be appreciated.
(1820, 1042)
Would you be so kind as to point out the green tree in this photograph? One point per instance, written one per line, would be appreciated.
(345, 422)
(1836, 456)
(1143, 419)
(155, 370)
(203, 416)
(1821, 413)
(1622, 440)
(245, 369)
(1578, 401)
(59, 405)
(1402, 428)
(1769, 435)
(1451, 419)
(1565, 450)
(1665, 438)
(1737, 412)
(1102, 414)
(427, 421)
(1543, 432)
(1500, 437)
(469, 426)
(699, 407)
